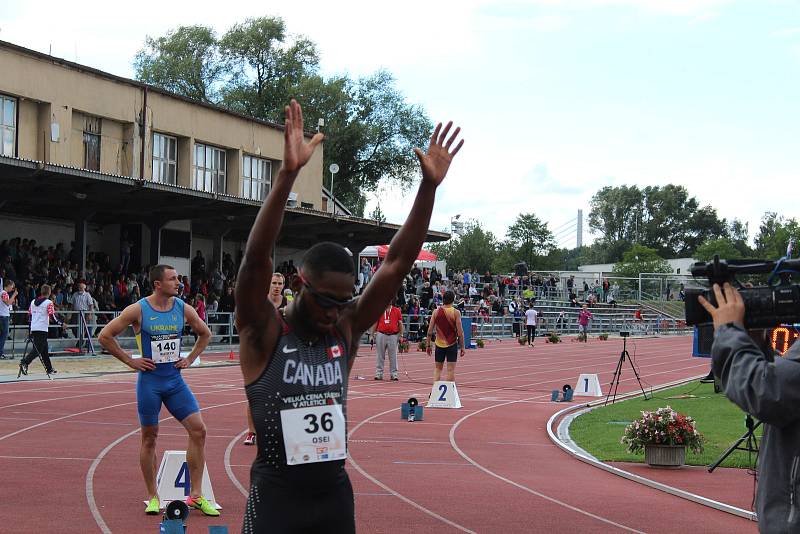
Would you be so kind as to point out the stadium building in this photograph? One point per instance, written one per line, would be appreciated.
(94, 158)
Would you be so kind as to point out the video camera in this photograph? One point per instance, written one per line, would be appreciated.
(767, 306)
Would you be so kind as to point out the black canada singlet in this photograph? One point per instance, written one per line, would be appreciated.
(312, 495)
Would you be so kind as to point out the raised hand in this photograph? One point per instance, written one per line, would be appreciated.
(436, 162)
(296, 152)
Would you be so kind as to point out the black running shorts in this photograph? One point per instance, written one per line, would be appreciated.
(277, 509)
(450, 354)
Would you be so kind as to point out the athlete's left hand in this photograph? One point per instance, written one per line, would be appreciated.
(183, 363)
(436, 162)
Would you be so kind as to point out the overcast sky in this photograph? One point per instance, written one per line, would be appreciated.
(556, 98)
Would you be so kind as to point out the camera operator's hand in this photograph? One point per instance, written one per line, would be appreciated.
(730, 306)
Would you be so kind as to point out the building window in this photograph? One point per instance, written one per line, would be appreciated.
(165, 159)
(209, 168)
(91, 143)
(256, 177)
(307, 205)
(8, 125)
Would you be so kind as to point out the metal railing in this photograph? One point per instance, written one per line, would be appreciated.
(77, 324)
(557, 318)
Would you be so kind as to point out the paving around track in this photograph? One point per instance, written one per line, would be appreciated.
(69, 450)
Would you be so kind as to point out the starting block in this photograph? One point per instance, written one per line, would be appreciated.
(588, 386)
(444, 395)
(566, 396)
(412, 407)
(173, 482)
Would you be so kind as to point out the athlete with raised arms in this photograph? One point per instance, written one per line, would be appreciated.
(296, 368)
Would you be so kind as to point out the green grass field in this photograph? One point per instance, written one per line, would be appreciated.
(720, 421)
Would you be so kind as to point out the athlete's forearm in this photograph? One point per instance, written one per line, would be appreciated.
(267, 225)
(406, 244)
(199, 346)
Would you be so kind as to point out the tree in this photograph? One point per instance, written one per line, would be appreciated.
(774, 234)
(531, 238)
(615, 212)
(377, 214)
(377, 140)
(474, 249)
(186, 61)
(266, 70)
(738, 234)
(664, 218)
(505, 258)
(640, 259)
(723, 247)
(370, 129)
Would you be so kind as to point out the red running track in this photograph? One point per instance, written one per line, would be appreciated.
(69, 450)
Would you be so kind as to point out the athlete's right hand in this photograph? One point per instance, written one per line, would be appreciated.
(141, 364)
(429, 350)
(296, 152)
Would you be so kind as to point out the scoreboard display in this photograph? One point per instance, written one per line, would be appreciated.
(773, 341)
(782, 338)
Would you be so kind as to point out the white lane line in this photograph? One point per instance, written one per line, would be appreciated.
(488, 471)
(432, 463)
(66, 398)
(20, 431)
(393, 492)
(228, 465)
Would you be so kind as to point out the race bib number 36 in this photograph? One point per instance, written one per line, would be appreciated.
(314, 434)
(165, 348)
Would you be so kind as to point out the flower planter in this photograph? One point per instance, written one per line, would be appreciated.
(665, 456)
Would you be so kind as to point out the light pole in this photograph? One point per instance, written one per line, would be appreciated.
(454, 223)
(334, 168)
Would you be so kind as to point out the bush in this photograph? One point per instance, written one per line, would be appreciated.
(553, 337)
(603, 336)
(480, 343)
(665, 426)
(581, 337)
(422, 346)
(403, 346)
(522, 341)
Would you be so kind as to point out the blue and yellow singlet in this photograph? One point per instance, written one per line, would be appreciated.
(160, 336)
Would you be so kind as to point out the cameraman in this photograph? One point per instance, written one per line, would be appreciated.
(770, 391)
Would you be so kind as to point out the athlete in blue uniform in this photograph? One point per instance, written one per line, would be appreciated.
(296, 369)
(158, 322)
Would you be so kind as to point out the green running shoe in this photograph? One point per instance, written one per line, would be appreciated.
(203, 505)
(153, 507)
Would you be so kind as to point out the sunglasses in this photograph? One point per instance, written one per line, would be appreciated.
(324, 301)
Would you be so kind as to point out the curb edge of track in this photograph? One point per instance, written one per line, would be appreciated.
(562, 440)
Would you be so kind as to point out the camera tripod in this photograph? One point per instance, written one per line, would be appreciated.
(29, 341)
(84, 333)
(612, 389)
(749, 437)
